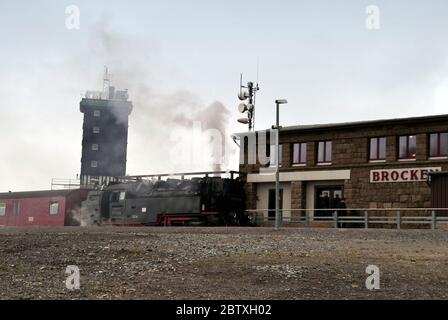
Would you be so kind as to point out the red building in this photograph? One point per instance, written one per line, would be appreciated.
(41, 208)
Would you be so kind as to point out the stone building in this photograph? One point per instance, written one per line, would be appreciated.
(105, 135)
(371, 164)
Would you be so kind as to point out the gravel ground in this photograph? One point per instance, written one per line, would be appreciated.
(222, 263)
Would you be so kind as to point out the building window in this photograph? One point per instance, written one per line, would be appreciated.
(16, 207)
(95, 147)
(54, 207)
(272, 155)
(94, 164)
(97, 113)
(96, 129)
(299, 153)
(325, 149)
(438, 144)
(377, 149)
(2, 209)
(407, 146)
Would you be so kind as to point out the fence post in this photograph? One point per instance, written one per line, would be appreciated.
(335, 218)
(307, 218)
(398, 219)
(433, 220)
(366, 220)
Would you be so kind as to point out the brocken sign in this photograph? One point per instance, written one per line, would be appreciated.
(401, 175)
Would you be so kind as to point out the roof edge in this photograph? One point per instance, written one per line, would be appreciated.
(355, 124)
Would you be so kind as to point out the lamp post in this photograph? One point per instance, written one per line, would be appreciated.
(278, 102)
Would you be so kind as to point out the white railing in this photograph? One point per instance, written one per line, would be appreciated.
(358, 217)
(70, 184)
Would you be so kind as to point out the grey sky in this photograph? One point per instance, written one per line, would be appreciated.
(317, 54)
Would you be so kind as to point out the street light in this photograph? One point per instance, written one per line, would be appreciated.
(278, 102)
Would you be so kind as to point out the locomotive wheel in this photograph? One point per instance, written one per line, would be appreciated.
(215, 221)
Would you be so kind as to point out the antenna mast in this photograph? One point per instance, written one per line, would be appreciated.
(106, 83)
(247, 94)
(255, 93)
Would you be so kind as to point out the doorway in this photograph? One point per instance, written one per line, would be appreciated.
(327, 198)
(271, 203)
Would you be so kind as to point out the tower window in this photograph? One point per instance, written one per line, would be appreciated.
(94, 164)
(95, 147)
(97, 113)
(96, 129)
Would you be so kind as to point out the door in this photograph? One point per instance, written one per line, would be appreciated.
(271, 203)
(117, 205)
(327, 198)
(16, 212)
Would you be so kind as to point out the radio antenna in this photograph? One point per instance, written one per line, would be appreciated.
(106, 83)
(258, 67)
(248, 106)
(255, 93)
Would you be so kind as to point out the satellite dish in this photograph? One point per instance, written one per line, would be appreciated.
(243, 120)
(242, 107)
(243, 95)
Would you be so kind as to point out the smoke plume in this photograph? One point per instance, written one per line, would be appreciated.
(158, 113)
(42, 126)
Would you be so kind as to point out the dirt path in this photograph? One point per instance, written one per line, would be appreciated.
(222, 263)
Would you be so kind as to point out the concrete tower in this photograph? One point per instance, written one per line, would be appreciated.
(105, 134)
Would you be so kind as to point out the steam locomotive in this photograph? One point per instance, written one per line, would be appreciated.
(207, 200)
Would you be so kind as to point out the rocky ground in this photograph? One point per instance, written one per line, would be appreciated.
(222, 263)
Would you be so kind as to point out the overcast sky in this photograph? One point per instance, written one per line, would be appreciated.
(179, 57)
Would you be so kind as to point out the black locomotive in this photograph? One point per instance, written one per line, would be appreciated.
(206, 200)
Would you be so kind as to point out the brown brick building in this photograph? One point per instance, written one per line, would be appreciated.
(372, 164)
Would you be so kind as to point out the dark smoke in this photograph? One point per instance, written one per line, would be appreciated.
(156, 113)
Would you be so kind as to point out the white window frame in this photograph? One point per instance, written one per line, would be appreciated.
(325, 162)
(438, 154)
(51, 207)
(96, 129)
(299, 144)
(94, 164)
(95, 147)
(378, 149)
(97, 113)
(408, 156)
